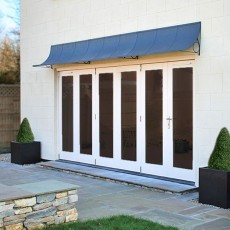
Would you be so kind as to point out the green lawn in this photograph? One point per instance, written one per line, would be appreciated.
(113, 223)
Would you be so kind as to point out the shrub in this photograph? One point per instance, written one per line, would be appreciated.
(220, 157)
(25, 133)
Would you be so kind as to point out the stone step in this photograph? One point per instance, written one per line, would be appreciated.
(142, 180)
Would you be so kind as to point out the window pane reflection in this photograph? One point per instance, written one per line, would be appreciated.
(182, 117)
(128, 115)
(106, 114)
(86, 114)
(154, 107)
(67, 113)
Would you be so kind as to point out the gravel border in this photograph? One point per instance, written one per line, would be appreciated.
(6, 157)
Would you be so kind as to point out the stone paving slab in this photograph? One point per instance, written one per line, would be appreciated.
(168, 218)
(29, 189)
(101, 212)
(206, 216)
(146, 194)
(47, 186)
(221, 212)
(9, 193)
(122, 177)
(194, 211)
(219, 224)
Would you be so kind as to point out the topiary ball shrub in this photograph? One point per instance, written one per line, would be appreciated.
(220, 157)
(25, 134)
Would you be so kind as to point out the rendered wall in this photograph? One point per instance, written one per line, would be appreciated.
(47, 22)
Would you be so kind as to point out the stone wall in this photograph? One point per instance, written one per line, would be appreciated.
(39, 210)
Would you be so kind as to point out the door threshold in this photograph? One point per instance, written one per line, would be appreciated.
(147, 181)
(130, 172)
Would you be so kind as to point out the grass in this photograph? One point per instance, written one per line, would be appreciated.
(113, 223)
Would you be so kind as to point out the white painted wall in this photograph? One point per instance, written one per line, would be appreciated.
(47, 22)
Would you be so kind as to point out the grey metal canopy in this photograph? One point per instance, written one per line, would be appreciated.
(167, 39)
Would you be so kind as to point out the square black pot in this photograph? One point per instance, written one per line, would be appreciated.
(25, 153)
(214, 187)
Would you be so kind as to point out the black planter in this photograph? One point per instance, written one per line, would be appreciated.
(25, 153)
(214, 187)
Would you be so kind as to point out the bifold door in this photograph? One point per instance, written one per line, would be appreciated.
(137, 118)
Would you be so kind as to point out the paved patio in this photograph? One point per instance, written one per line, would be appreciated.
(101, 197)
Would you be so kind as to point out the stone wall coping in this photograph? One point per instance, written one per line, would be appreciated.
(33, 189)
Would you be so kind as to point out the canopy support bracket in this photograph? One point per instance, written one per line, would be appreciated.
(131, 57)
(196, 47)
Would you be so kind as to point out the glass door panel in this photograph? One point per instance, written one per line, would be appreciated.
(154, 113)
(168, 127)
(106, 114)
(86, 114)
(182, 117)
(67, 114)
(128, 115)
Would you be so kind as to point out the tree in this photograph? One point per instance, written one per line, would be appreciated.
(25, 134)
(220, 157)
(10, 61)
(10, 42)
